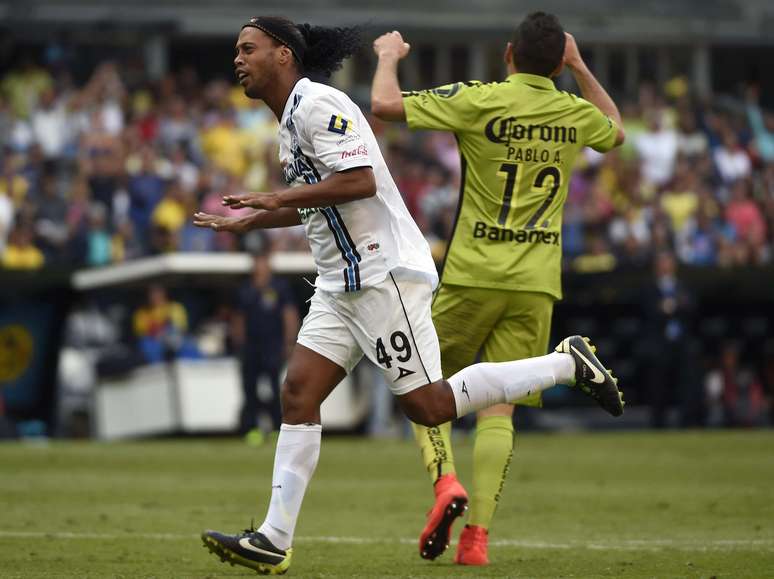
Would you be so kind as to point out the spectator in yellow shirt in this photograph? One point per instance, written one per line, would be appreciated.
(681, 201)
(21, 253)
(12, 182)
(160, 327)
(225, 145)
(170, 213)
(23, 86)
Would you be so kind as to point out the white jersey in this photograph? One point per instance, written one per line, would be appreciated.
(355, 244)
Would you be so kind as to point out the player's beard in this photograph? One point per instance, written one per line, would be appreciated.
(256, 88)
(252, 91)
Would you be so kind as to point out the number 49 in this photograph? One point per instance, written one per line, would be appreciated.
(401, 349)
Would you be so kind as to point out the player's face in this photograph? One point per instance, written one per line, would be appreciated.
(256, 61)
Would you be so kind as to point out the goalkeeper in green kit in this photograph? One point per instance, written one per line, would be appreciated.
(518, 140)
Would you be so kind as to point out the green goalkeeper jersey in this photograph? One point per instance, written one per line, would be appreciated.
(518, 140)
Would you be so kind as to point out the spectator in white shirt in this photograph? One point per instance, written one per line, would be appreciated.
(49, 125)
(657, 150)
(731, 159)
(6, 219)
(691, 142)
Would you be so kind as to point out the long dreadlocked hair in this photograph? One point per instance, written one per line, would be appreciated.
(319, 50)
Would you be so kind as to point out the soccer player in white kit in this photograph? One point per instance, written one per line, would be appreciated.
(375, 277)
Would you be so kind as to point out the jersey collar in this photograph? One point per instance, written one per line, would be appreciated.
(300, 83)
(533, 80)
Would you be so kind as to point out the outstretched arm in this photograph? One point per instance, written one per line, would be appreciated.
(243, 223)
(386, 97)
(280, 208)
(590, 88)
(341, 187)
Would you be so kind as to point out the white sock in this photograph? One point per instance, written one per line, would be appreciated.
(482, 385)
(298, 448)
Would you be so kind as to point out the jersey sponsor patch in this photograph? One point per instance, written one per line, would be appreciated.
(339, 125)
(350, 138)
(532, 236)
(504, 130)
(360, 151)
(306, 212)
(301, 167)
(447, 91)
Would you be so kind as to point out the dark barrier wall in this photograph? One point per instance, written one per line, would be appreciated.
(662, 360)
(33, 308)
(722, 323)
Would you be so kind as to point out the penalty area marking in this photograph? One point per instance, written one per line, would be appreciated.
(612, 545)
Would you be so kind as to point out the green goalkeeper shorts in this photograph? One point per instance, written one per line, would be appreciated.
(502, 325)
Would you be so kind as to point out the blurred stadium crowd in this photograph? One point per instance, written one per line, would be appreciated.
(112, 169)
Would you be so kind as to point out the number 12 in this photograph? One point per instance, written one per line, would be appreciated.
(511, 171)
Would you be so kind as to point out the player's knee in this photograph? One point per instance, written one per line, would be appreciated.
(424, 419)
(294, 404)
(430, 418)
(426, 414)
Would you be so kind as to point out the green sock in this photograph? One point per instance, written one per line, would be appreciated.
(492, 453)
(435, 444)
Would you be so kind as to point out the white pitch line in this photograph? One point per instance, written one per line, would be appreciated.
(612, 545)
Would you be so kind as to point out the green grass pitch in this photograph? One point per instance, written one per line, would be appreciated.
(575, 505)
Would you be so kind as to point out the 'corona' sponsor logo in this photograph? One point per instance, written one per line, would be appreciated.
(506, 129)
(483, 231)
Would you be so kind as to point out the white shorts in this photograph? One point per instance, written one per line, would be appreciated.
(390, 323)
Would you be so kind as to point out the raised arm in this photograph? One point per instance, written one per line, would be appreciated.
(386, 97)
(590, 88)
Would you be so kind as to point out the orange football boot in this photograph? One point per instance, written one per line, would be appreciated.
(451, 501)
(473, 545)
